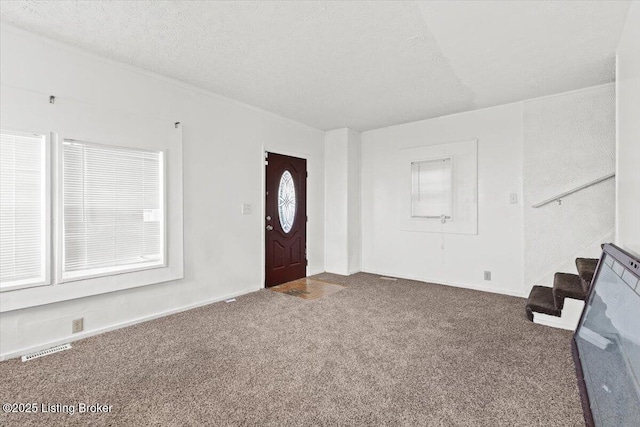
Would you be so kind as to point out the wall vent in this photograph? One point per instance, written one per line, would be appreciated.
(392, 279)
(46, 352)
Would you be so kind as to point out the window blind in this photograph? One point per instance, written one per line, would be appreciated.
(22, 209)
(431, 189)
(113, 217)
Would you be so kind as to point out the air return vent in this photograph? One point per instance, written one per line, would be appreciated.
(46, 352)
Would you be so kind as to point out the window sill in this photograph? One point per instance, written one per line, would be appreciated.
(41, 295)
(22, 284)
(74, 276)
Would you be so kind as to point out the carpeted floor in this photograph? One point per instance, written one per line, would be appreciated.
(376, 353)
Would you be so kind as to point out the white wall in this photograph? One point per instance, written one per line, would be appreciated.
(336, 194)
(569, 140)
(454, 259)
(552, 144)
(223, 144)
(628, 134)
(342, 201)
(354, 202)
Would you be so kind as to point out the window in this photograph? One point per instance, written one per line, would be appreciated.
(437, 186)
(286, 201)
(431, 189)
(23, 210)
(120, 225)
(113, 209)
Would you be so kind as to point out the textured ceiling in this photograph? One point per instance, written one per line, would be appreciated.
(362, 65)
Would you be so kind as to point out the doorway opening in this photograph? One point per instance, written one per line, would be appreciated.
(285, 219)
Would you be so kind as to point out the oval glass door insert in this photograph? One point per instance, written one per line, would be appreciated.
(286, 201)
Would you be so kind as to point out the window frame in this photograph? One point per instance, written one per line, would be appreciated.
(465, 175)
(32, 111)
(46, 211)
(441, 217)
(64, 277)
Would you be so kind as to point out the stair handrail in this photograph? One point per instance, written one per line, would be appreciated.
(559, 197)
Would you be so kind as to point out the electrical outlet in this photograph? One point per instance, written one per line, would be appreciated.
(487, 275)
(77, 325)
(246, 209)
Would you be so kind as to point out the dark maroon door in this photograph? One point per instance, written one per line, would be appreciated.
(286, 219)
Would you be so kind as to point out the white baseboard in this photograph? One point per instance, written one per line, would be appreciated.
(551, 321)
(519, 294)
(570, 316)
(87, 334)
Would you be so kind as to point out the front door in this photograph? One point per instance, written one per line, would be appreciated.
(286, 219)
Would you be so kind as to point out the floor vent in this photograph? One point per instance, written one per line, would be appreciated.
(393, 279)
(46, 352)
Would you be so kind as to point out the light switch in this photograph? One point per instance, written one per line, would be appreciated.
(513, 198)
(246, 209)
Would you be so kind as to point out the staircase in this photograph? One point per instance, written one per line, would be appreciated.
(550, 301)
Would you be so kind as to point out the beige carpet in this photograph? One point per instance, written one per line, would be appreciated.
(376, 353)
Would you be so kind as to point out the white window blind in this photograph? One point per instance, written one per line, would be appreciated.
(22, 209)
(113, 212)
(431, 188)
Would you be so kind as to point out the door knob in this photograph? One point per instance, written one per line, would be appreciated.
(269, 228)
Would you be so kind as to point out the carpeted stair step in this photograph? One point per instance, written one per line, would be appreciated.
(586, 269)
(567, 285)
(541, 300)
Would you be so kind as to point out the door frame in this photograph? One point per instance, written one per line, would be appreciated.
(263, 211)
